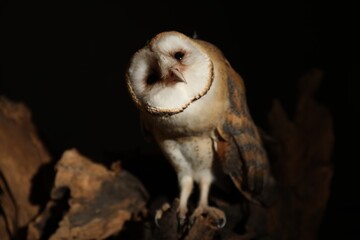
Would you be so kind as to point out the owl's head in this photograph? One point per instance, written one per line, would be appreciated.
(169, 73)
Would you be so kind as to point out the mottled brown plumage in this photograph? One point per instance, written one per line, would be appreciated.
(194, 104)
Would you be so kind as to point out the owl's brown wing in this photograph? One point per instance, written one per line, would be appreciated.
(240, 149)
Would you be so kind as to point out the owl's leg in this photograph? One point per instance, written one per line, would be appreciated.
(204, 184)
(203, 207)
(172, 149)
(186, 186)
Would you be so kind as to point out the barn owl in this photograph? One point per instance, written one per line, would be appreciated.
(193, 103)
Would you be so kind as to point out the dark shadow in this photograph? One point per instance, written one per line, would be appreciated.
(41, 185)
(56, 213)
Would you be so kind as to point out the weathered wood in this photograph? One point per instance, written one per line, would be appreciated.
(21, 156)
(101, 200)
(204, 227)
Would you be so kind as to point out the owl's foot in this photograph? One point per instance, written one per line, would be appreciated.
(169, 216)
(181, 217)
(159, 213)
(217, 216)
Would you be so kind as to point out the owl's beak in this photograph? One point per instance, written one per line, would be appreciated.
(178, 76)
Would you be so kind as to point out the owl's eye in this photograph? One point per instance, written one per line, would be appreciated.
(152, 78)
(179, 55)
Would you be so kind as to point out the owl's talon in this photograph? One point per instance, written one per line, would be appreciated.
(159, 213)
(221, 222)
(181, 215)
(181, 225)
(156, 220)
(181, 221)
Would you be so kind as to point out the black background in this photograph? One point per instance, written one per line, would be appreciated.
(66, 62)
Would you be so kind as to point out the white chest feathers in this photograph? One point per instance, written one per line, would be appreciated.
(192, 156)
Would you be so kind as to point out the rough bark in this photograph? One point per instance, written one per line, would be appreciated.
(100, 202)
(21, 156)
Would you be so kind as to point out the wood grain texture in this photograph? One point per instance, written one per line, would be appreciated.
(21, 156)
(101, 200)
